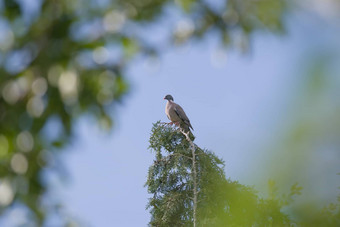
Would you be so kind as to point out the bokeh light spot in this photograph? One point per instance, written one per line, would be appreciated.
(114, 21)
(184, 29)
(19, 163)
(24, 83)
(68, 87)
(100, 55)
(54, 74)
(35, 106)
(6, 40)
(39, 86)
(11, 92)
(25, 141)
(6, 192)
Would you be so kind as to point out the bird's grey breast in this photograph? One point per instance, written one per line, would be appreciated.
(167, 109)
(170, 112)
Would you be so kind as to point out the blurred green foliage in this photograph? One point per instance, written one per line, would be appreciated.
(59, 60)
(310, 139)
(221, 201)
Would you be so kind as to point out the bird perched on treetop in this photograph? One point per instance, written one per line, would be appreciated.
(176, 114)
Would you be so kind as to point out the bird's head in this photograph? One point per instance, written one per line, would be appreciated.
(169, 97)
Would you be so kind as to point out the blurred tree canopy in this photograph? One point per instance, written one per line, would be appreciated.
(60, 59)
(221, 201)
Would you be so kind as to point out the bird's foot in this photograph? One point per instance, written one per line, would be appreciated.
(174, 123)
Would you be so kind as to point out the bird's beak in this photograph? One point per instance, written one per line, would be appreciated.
(164, 98)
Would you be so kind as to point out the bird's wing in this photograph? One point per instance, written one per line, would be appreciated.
(181, 114)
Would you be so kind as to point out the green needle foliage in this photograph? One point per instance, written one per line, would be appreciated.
(221, 201)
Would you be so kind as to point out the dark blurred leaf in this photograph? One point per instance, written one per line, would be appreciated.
(12, 9)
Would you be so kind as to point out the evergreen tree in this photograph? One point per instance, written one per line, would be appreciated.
(220, 201)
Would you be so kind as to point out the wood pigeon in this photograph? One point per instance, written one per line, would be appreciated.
(176, 114)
